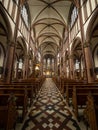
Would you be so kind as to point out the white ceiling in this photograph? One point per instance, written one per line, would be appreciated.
(49, 20)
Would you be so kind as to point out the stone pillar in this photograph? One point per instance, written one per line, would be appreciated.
(9, 63)
(46, 63)
(41, 67)
(23, 71)
(26, 67)
(16, 75)
(71, 67)
(82, 38)
(60, 68)
(55, 67)
(33, 70)
(89, 63)
(51, 67)
(65, 74)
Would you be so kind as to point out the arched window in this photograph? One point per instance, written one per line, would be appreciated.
(16, 1)
(74, 15)
(24, 14)
(48, 62)
(44, 61)
(20, 63)
(1, 60)
(52, 60)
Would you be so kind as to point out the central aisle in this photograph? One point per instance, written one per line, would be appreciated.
(49, 112)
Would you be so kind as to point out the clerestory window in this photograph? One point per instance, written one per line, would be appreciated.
(16, 1)
(24, 14)
(74, 16)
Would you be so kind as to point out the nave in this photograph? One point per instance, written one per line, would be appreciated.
(42, 39)
(49, 111)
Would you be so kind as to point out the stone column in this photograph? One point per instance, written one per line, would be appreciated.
(55, 67)
(65, 69)
(33, 70)
(46, 63)
(89, 63)
(51, 67)
(16, 75)
(82, 38)
(9, 63)
(65, 75)
(41, 67)
(60, 68)
(71, 67)
(26, 67)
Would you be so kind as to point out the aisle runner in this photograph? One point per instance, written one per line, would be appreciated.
(50, 111)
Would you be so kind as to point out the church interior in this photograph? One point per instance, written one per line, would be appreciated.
(48, 64)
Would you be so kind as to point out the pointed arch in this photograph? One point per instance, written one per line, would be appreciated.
(7, 23)
(90, 25)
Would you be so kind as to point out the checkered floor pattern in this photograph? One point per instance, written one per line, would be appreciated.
(49, 112)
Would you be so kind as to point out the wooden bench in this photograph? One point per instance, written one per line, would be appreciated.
(21, 97)
(8, 112)
(65, 82)
(31, 88)
(22, 90)
(68, 89)
(91, 111)
(36, 82)
(79, 97)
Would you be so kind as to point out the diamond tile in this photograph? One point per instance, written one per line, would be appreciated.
(56, 125)
(44, 125)
(49, 112)
(50, 120)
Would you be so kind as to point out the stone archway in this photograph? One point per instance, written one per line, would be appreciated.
(20, 59)
(77, 63)
(92, 43)
(5, 40)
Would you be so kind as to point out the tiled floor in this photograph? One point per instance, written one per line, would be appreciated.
(49, 112)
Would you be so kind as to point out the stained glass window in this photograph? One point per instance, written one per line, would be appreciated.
(20, 63)
(74, 15)
(24, 14)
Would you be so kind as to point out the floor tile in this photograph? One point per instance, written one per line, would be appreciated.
(50, 112)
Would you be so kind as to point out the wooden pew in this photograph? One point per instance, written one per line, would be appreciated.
(21, 97)
(22, 91)
(30, 90)
(79, 97)
(36, 82)
(8, 112)
(66, 82)
(68, 88)
(91, 111)
(33, 86)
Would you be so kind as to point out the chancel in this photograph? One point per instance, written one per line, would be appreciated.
(48, 64)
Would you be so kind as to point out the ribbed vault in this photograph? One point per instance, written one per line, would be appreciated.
(49, 21)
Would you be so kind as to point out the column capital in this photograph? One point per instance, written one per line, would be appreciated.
(11, 43)
(70, 56)
(26, 56)
(86, 44)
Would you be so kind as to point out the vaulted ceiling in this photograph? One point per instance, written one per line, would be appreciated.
(49, 20)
